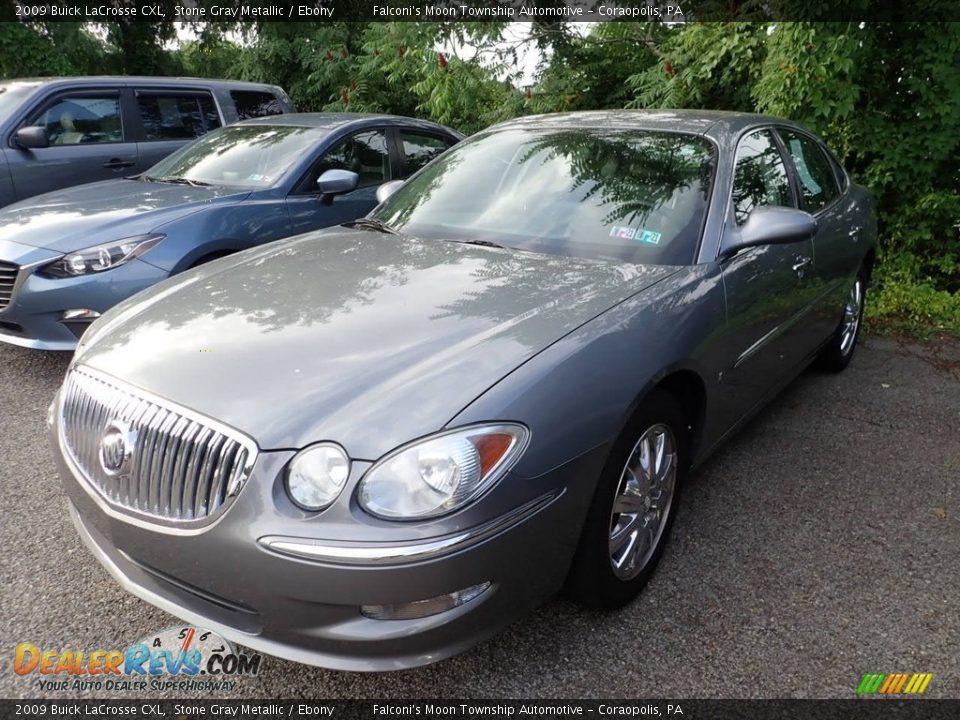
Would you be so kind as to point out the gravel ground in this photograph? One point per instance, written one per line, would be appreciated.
(821, 544)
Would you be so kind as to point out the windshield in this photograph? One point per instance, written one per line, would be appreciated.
(248, 156)
(626, 196)
(12, 95)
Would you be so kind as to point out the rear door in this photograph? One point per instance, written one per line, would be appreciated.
(368, 153)
(88, 142)
(768, 288)
(169, 119)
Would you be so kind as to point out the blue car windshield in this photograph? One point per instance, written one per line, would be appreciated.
(245, 156)
(623, 196)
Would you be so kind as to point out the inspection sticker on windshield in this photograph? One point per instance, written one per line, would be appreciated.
(639, 234)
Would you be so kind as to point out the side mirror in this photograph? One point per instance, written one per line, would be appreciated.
(32, 137)
(771, 226)
(337, 182)
(388, 189)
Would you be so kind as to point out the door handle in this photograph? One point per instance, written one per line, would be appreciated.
(855, 233)
(117, 164)
(800, 264)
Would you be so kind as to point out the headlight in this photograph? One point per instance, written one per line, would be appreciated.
(441, 474)
(101, 257)
(316, 476)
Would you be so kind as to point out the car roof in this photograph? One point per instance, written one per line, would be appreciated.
(136, 80)
(713, 123)
(331, 120)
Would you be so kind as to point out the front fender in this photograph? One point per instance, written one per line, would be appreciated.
(578, 394)
(219, 229)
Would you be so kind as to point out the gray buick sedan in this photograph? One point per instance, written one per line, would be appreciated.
(370, 447)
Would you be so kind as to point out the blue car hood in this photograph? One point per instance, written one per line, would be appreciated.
(78, 217)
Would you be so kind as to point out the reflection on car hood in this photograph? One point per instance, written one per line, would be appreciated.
(359, 337)
(78, 217)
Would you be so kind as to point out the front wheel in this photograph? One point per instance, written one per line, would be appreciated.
(836, 355)
(629, 522)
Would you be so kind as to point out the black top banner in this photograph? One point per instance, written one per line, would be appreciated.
(257, 11)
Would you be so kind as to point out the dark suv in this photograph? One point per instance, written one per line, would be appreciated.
(58, 132)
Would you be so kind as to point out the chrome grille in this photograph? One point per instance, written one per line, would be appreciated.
(8, 276)
(182, 468)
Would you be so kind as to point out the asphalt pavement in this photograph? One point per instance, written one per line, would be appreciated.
(821, 544)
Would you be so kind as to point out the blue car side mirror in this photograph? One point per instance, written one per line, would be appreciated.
(336, 182)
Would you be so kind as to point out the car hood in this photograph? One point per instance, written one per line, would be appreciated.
(78, 217)
(363, 338)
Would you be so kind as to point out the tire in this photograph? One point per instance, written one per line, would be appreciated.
(602, 575)
(838, 352)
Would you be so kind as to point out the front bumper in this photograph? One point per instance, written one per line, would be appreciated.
(35, 316)
(226, 579)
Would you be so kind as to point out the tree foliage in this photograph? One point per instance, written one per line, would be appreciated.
(886, 96)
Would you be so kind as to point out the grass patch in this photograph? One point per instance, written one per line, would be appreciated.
(899, 305)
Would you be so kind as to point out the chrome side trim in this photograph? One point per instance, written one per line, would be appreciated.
(392, 554)
(783, 327)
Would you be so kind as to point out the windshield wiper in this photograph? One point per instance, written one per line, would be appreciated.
(484, 243)
(177, 181)
(367, 223)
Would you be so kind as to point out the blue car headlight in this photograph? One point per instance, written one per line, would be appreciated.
(442, 473)
(101, 257)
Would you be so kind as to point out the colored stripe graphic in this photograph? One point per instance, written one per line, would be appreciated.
(894, 683)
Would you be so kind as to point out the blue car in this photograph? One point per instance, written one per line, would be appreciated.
(68, 256)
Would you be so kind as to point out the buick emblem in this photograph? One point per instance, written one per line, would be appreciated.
(116, 448)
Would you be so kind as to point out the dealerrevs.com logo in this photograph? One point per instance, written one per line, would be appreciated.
(181, 657)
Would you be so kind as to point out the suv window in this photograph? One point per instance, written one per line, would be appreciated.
(818, 187)
(254, 103)
(177, 117)
(760, 177)
(365, 153)
(82, 120)
(419, 149)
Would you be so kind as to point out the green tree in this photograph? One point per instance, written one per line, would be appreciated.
(885, 96)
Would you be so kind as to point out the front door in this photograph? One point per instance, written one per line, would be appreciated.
(365, 153)
(769, 289)
(87, 143)
(839, 241)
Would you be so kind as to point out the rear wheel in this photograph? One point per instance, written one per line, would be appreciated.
(839, 351)
(629, 522)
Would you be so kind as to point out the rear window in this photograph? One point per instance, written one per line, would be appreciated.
(177, 117)
(419, 149)
(817, 184)
(254, 103)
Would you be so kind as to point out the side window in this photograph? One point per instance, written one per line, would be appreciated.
(254, 104)
(177, 117)
(420, 149)
(760, 178)
(838, 171)
(818, 186)
(364, 153)
(82, 120)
